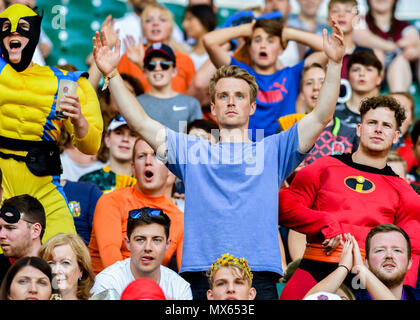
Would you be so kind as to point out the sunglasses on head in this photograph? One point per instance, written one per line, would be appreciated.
(151, 212)
(164, 64)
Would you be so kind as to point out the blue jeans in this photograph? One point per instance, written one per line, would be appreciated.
(264, 282)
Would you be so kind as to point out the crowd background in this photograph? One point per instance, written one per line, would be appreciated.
(70, 25)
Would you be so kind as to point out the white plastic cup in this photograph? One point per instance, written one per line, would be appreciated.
(65, 87)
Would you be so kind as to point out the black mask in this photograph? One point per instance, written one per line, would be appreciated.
(13, 14)
(10, 214)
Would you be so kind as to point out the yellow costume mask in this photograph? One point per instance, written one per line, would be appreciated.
(13, 14)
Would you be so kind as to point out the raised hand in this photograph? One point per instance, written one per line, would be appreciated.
(346, 258)
(106, 59)
(110, 32)
(357, 256)
(133, 50)
(334, 47)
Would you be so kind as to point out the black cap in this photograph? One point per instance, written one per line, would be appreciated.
(159, 50)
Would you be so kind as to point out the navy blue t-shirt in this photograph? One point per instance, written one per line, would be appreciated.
(82, 198)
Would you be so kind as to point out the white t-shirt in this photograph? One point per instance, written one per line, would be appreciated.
(73, 171)
(118, 276)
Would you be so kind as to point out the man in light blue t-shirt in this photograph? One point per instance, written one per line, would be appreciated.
(231, 203)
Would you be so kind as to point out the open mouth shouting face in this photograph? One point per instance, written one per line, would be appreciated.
(151, 173)
(264, 49)
(14, 42)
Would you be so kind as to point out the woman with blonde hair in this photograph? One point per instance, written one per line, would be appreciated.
(71, 266)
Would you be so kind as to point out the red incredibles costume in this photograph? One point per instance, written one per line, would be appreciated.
(333, 196)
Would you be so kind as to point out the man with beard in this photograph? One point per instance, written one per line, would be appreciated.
(381, 275)
(350, 193)
(22, 224)
(388, 257)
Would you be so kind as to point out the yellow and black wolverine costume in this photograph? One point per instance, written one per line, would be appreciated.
(29, 129)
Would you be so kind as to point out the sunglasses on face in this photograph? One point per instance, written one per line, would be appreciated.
(151, 212)
(165, 65)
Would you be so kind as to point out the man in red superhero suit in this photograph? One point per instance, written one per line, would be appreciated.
(350, 193)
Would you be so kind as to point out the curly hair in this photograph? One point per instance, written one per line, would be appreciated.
(383, 101)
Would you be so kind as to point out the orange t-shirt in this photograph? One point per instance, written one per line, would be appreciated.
(109, 226)
(180, 82)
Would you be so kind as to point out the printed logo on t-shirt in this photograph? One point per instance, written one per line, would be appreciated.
(359, 184)
(176, 108)
(75, 209)
(275, 94)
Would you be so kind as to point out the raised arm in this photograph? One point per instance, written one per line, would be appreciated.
(311, 126)
(107, 60)
(214, 41)
(309, 39)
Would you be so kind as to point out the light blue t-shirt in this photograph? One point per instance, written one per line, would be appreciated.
(231, 197)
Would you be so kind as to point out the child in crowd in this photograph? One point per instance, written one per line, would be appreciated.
(119, 139)
(337, 137)
(397, 41)
(365, 77)
(278, 89)
(162, 102)
(157, 24)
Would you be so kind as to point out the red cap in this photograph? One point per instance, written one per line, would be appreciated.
(143, 289)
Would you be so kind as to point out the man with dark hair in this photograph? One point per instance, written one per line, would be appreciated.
(147, 239)
(350, 193)
(22, 225)
(381, 275)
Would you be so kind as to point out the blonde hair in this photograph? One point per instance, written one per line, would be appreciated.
(159, 7)
(83, 260)
(234, 269)
(235, 265)
(237, 73)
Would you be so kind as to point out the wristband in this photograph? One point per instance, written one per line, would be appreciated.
(109, 77)
(342, 265)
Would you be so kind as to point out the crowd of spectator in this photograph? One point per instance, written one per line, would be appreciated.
(274, 156)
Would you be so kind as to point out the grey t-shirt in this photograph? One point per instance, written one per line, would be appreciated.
(174, 112)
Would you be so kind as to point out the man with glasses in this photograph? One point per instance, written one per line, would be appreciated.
(147, 239)
(22, 225)
(107, 244)
(162, 102)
